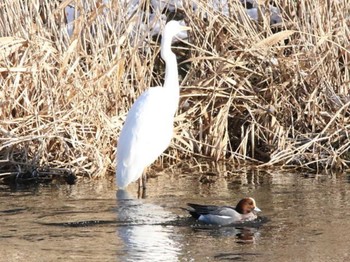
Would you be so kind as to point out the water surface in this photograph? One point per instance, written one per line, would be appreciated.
(308, 220)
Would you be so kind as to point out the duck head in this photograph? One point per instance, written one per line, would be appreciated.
(247, 205)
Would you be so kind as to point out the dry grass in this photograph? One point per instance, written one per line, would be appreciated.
(248, 96)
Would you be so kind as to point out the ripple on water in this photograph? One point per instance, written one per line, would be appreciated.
(306, 215)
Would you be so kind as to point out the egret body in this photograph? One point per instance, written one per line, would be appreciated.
(148, 127)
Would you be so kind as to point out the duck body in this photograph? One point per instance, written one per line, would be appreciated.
(245, 210)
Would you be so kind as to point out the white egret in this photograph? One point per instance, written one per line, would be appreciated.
(148, 127)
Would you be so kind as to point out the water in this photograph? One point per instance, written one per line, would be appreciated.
(308, 220)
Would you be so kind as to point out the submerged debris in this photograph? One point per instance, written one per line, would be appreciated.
(38, 176)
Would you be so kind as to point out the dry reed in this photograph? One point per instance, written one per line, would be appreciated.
(251, 92)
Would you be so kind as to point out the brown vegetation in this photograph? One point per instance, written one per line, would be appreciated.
(248, 94)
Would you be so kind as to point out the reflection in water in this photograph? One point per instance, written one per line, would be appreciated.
(307, 220)
(243, 234)
(144, 231)
(148, 243)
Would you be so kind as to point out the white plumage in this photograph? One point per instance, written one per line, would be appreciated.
(148, 128)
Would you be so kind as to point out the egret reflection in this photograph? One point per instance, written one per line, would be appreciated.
(145, 230)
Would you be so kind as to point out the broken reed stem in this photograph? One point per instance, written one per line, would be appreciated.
(269, 96)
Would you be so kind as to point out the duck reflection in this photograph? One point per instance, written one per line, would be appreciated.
(242, 235)
(145, 230)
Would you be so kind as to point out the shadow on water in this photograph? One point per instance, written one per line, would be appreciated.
(302, 215)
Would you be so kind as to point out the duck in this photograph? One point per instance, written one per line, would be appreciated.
(245, 210)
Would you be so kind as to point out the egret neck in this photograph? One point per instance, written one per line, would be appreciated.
(171, 72)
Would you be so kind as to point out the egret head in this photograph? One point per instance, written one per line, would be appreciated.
(172, 28)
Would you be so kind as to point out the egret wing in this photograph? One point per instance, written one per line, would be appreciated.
(146, 133)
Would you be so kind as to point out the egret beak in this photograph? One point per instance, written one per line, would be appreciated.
(185, 28)
(256, 209)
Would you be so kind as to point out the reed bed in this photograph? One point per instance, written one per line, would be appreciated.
(252, 93)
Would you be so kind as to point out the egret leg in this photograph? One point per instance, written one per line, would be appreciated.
(139, 188)
(139, 182)
(141, 192)
(144, 179)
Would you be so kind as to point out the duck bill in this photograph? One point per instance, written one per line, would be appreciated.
(256, 209)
